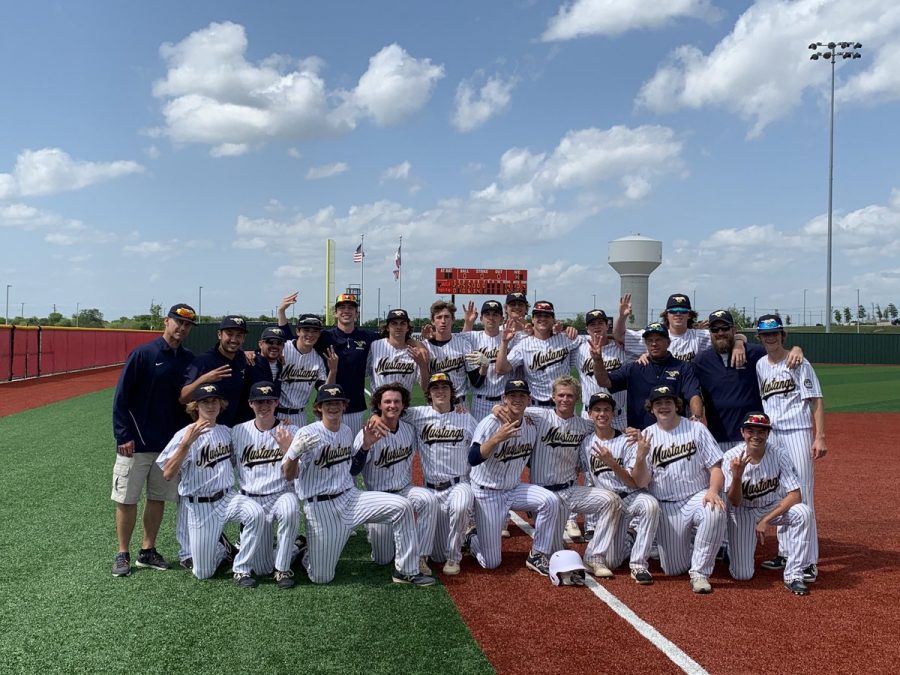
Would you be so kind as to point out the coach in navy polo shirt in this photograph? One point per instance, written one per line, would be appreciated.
(661, 369)
(226, 365)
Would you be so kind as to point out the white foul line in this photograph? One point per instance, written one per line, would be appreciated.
(678, 657)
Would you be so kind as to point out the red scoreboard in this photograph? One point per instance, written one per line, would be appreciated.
(468, 281)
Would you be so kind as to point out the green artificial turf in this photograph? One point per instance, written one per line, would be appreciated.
(63, 611)
(860, 388)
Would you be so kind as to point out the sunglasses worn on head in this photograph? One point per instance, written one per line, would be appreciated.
(769, 324)
(185, 313)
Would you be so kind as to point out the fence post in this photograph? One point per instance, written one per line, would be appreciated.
(40, 349)
(12, 346)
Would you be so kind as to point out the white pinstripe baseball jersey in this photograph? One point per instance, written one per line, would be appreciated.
(389, 364)
(299, 375)
(208, 465)
(764, 484)
(388, 464)
(613, 359)
(680, 460)
(450, 358)
(259, 458)
(603, 476)
(556, 456)
(786, 393)
(543, 361)
(683, 347)
(488, 345)
(502, 470)
(444, 440)
(325, 469)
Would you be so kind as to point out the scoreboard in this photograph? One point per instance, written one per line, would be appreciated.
(470, 281)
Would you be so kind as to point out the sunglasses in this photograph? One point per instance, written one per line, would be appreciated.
(678, 310)
(769, 324)
(185, 313)
(719, 329)
(273, 343)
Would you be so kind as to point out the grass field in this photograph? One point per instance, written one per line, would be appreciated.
(860, 388)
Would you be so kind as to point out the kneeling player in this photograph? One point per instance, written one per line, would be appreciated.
(763, 490)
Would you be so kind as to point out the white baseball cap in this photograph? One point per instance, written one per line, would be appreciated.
(563, 562)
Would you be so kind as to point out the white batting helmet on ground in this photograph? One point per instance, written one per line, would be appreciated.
(566, 569)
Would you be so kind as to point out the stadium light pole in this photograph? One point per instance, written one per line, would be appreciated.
(200, 303)
(754, 309)
(831, 50)
(6, 316)
(857, 311)
(804, 306)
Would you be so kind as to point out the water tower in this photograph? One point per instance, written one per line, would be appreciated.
(635, 258)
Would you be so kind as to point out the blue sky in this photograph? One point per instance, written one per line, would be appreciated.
(152, 148)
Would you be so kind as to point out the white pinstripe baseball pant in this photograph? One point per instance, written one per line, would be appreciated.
(590, 500)
(794, 532)
(640, 512)
(481, 407)
(354, 421)
(681, 521)
(205, 524)
(329, 523)
(425, 506)
(798, 445)
(492, 508)
(283, 507)
(181, 529)
(454, 507)
(297, 419)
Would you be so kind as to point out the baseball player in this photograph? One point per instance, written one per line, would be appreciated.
(384, 453)
(266, 363)
(498, 454)
(488, 386)
(448, 350)
(763, 490)
(554, 466)
(319, 462)
(639, 379)
(394, 359)
(201, 454)
(792, 398)
(146, 414)
(259, 446)
(444, 437)
(682, 465)
(544, 355)
(304, 369)
(597, 325)
(610, 456)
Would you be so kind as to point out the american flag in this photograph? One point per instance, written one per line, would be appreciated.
(397, 263)
(358, 254)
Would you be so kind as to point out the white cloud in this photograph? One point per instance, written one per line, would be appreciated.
(397, 172)
(163, 249)
(761, 69)
(294, 152)
(292, 272)
(326, 170)
(152, 152)
(474, 108)
(580, 18)
(229, 150)
(51, 170)
(214, 96)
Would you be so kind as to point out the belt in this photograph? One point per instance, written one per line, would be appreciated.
(544, 404)
(393, 492)
(622, 493)
(207, 500)
(326, 498)
(288, 411)
(488, 398)
(559, 486)
(254, 494)
(443, 485)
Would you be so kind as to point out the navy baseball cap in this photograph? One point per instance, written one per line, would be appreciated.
(263, 391)
(757, 419)
(309, 321)
(664, 391)
(595, 315)
(656, 328)
(346, 298)
(678, 302)
(601, 397)
(331, 392)
(272, 333)
(491, 306)
(721, 316)
(397, 315)
(516, 296)
(183, 312)
(769, 323)
(210, 390)
(543, 307)
(235, 322)
(516, 385)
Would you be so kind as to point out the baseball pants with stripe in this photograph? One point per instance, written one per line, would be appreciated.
(683, 521)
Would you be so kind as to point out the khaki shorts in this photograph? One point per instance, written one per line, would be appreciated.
(130, 474)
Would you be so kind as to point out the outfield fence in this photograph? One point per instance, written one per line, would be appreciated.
(33, 351)
(845, 348)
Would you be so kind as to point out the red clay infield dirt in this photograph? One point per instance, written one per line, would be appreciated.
(848, 624)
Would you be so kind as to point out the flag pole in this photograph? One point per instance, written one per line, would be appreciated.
(362, 271)
(400, 276)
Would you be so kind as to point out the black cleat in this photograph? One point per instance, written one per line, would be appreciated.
(797, 587)
(539, 563)
(413, 579)
(810, 574)
(245, 580)
(284, 580)
(187, 563)
(776, 563)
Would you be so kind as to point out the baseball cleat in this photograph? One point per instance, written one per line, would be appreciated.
(572, 529)
(284, 580)
(599, 569)
(122, 564)
(641, 576)
(151, 558)
(187, 563)
(810, 574)
(588, 535)
(776, 563)
(451, 568)
(700, 584)
(413, 579)
(245, 580)
(797, 587)
(538, 562)
(230, 549)
(467, 538)
(423, 566)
